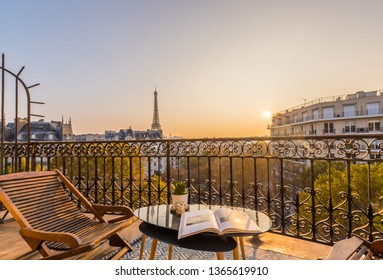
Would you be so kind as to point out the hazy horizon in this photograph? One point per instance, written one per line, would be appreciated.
(218, 66)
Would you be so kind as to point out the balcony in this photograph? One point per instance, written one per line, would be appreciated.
(268, 246)
(357, 114)
(316, 190)
(328, 131)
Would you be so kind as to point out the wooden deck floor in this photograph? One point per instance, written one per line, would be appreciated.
(12, 246)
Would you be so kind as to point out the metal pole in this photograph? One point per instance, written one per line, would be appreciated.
(168, 174)
(28, 155)
(2, 113)
(2, 116)
(16, 165)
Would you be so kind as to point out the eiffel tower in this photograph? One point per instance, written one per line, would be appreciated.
(156, 118)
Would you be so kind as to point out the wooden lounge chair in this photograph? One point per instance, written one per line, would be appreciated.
(356, 248)
(52, 223)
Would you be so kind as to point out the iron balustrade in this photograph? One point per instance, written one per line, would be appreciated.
(318, 188)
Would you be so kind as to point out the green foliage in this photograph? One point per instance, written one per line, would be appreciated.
(320, 171)
(350, 189)
(180, 188)
(339, 179)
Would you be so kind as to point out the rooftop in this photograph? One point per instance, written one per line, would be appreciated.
(359, 94)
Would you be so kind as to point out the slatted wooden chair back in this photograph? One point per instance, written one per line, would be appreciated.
(39, 201)
(354, 248)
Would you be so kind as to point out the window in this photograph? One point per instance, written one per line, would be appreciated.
(304, 116)
(328, 128)
(349, 110)
(316, 114)
(313, 130)
(50, 137)
(374, 126)
(328, 113)
(376, 145)
(295, 118)
(313, 127)
(373, 108)
(287, 120)
(349, 127)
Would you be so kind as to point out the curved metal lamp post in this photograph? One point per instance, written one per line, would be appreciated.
(29, 102)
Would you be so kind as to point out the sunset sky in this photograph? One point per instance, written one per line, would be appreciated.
(218, 65)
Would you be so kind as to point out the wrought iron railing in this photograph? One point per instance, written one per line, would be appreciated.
(318, 188)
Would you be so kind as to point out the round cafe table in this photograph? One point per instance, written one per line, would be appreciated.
(161, 224)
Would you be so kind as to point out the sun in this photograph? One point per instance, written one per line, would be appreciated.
(267, 114)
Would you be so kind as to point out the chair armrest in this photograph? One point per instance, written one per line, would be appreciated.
(40, 235)
(114, 209)
(377, 247)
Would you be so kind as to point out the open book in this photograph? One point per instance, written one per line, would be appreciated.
(220, 221)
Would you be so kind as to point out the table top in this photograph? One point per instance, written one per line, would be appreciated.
(200, 242)
(160, 215)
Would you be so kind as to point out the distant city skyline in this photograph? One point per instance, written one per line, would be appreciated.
(218, 66)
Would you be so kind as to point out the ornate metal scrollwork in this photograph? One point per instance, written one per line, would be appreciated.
(251, 172)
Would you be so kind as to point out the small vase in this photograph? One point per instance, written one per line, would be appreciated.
(179, 198)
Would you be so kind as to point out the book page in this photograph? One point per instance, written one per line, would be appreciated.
(196, 222)
(234, 221)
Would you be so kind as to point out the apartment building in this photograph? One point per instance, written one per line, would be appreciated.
(357, 113)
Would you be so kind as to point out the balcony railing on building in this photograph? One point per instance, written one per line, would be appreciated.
(318, 188)
(287, 120)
